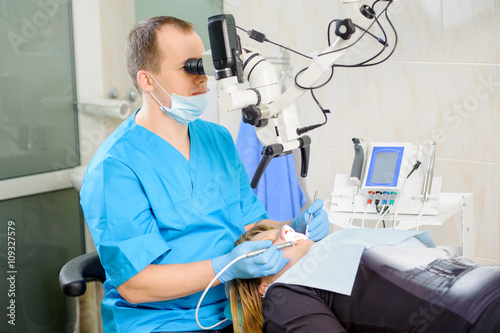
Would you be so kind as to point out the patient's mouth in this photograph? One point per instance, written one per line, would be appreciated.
(298, 242)
(289, 235)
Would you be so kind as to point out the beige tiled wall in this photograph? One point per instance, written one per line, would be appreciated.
(441, 84)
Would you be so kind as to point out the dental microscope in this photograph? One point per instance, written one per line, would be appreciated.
(263, 105)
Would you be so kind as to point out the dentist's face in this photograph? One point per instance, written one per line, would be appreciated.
(175, 48)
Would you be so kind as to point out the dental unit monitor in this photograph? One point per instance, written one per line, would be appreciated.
(386, 167)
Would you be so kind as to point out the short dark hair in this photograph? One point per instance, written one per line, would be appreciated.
(142, 52)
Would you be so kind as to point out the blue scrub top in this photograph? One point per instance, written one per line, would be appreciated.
(145, 203)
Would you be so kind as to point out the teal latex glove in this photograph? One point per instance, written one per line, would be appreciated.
(319, 225)
(268, 263)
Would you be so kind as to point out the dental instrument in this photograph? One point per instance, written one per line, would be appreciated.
(310, 216)
(279, 246)
(415, 167)
(357, 164)
(426, 190)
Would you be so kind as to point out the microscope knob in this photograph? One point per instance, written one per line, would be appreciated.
(367, 12)
(345, 28)
(251, 114)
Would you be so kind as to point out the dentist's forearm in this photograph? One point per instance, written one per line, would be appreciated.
(158, 283)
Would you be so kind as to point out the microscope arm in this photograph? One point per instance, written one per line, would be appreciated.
(265, 80)
(308, 78)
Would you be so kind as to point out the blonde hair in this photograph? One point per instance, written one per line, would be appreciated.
(244, 297)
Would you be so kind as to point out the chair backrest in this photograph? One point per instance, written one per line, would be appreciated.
(76, 272)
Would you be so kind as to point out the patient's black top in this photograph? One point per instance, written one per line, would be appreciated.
(450, 294)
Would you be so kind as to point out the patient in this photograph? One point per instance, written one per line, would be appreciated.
(409, 288)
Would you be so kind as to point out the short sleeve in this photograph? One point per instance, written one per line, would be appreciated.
(120, 220)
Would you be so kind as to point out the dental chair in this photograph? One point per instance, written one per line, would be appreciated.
(75, 274)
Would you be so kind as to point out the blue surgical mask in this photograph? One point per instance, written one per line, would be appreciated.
(184, 109)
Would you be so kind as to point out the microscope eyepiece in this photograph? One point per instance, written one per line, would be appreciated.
(194, 66)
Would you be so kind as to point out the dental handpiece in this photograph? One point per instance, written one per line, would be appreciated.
(430, 173)
(279, 246)
(310, 216)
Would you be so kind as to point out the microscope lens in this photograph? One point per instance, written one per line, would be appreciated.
(194, 66)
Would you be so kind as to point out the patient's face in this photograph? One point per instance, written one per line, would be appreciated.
(278, 236)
